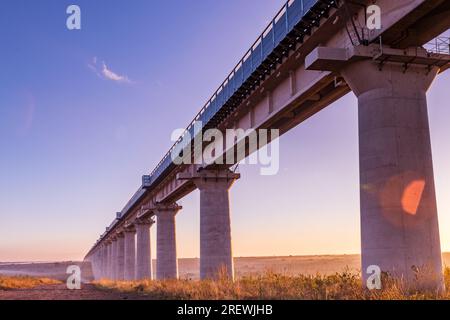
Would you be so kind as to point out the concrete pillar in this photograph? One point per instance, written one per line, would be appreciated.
(120, 257)
(92, 261)
(94, 265)
(100, 262)
(399, 222)
(216, 257)
(143, 255)
(130, 254)
(114, 259)
(166, 244)
(104, 261)
(109, 260)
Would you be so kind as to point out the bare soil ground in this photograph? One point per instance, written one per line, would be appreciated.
(60, 292)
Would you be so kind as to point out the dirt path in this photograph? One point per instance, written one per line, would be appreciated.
(60, 292)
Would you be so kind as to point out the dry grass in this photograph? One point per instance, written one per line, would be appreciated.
(24, 282)
(447, 277)
(340, 286)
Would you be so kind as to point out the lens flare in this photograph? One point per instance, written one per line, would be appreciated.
(412, 196)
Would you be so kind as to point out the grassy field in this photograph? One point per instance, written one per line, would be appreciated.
(340, 286)
(292, 277)
(24, 282)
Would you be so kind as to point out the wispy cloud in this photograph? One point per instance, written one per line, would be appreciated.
(106, 73)
(93, 66)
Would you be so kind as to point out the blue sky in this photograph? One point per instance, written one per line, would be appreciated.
(74, 143)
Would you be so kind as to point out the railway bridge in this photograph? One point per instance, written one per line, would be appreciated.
(312, 53)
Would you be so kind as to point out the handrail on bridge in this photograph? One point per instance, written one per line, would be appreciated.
(440, 45)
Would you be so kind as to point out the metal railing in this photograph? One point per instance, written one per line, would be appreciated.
(440, 45)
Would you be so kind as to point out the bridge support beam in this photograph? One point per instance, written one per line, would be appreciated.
(144, 257)
(399, 222)
(114, 258)
(98, 266)
(98, 262)
(103, 257)
(105, 261)
(130, 254)
(108, 259)
(120, 257)
(166, 244)
(216, 257)
(94, 265)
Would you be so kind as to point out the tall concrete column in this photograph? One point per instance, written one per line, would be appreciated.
(120, 257)
(144, 257)
(94, 265)
(105, 261)
(399, 222)
(216, 255)
(109, 260)
(166, 244)
(114, 259)
(130, 254)
(101, 261)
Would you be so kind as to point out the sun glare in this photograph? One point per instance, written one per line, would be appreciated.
(412, 196)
